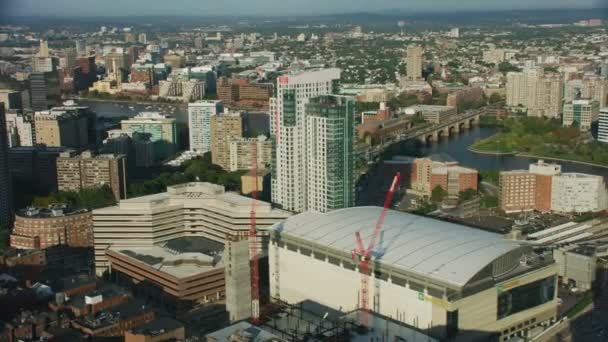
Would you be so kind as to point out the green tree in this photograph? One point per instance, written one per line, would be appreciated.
(490, 176)
(438, 194)
(488, 201)
(506, 67)
(466, 195)
(494, 98)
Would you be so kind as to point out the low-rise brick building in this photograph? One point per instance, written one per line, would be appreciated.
(40, 228)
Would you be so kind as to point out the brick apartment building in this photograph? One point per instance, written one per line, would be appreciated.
(242, 93)
(41, 228)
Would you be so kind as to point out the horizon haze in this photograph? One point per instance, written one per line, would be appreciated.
(76, 8)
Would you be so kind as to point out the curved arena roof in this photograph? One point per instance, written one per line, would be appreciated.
(440, 250)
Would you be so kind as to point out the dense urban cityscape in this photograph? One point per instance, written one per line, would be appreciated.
(368, 176)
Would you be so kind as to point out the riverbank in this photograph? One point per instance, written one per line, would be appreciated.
(543, 138)
(531, 156)
(492, 153)
(534, 156)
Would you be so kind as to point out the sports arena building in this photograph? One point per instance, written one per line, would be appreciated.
(453, 281)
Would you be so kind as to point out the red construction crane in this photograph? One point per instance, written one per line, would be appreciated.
(253, 241)
(365, 254)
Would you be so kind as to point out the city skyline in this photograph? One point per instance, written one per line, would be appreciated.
(275, 7)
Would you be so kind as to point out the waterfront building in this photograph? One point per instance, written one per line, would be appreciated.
(540, 94)
(516, 89)
(199, 123)
(546, 93)
(581, 113)
(545, 188)
(62, 127)
(437, 170)
(161, 129)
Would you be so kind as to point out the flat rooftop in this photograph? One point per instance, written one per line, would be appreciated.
(181, 258)
(158, 326)
(242, 329)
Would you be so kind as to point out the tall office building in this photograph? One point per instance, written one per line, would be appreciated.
(20, 130)
(77, 172)
(581, 113)
(545, 100)
(62, 127)
(517, 89)
(38, 91)
(161, 129)
(81, 47)
(224, 129)
(329, 153)
(539, 93)
(602, 131)
(414, 63)
(142, 38)
(69, 60)
(6, 192)
(596, 88)
(199, 122)
(12, 99)
(241, 153)
(288, 130)
(43, 51)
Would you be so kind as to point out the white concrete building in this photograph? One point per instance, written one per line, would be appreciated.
(190, 209)
(517, 89)
(581, 113)
(20, 130)
(448, 279)
(602, 132)
(287, 127)
(199, 123)
(578, 193)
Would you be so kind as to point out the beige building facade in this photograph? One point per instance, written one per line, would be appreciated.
(190, 209)
(224, 129)
(84, 171)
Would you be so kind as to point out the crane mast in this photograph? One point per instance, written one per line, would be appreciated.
(365, 254)
(253, 242)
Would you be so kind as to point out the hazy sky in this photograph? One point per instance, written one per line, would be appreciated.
(270, 7)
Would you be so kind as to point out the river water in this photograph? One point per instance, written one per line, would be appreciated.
(457, 148)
